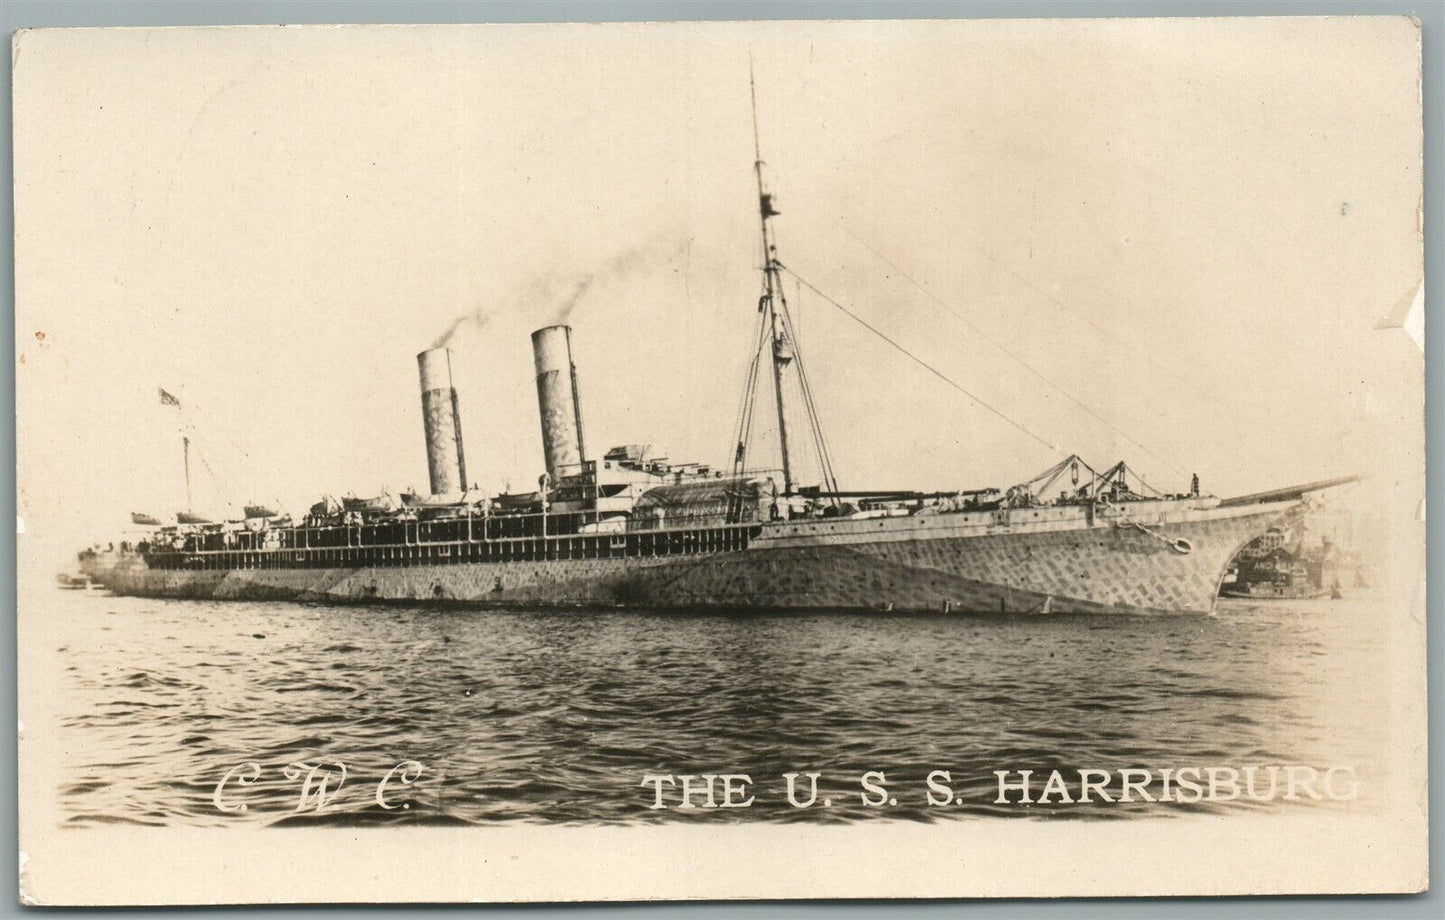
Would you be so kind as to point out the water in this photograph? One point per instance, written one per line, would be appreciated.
(556, 717)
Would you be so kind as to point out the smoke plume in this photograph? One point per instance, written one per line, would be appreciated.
(560, 296)
(477, 319)
(634, 261)
(564, 312)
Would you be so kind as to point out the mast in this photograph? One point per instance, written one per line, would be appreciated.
(772, 285)
(186, 453)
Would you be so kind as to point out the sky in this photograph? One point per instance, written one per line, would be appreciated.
(1187, 244)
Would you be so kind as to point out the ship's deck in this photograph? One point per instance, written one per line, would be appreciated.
(479, 549)
(472, 541)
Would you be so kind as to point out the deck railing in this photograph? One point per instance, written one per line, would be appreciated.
(690, 541)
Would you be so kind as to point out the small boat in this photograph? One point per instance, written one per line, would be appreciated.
(74, 582)
(145, 520)
(191, 517)
(450, 500)
(1274, 591)
(325, 508)
(517, 501)
(382, 502)
(259, 511)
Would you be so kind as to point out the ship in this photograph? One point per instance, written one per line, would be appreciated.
(631, 529)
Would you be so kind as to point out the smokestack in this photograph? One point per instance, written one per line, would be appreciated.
(557, 401)
(446, 464)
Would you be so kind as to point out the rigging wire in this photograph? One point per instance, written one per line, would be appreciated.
(1142, 481)
(774, 302)
(191, 419)
(195, 411)
(820, 443)
(744, 427)
(1001, 347)
(922, 363)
